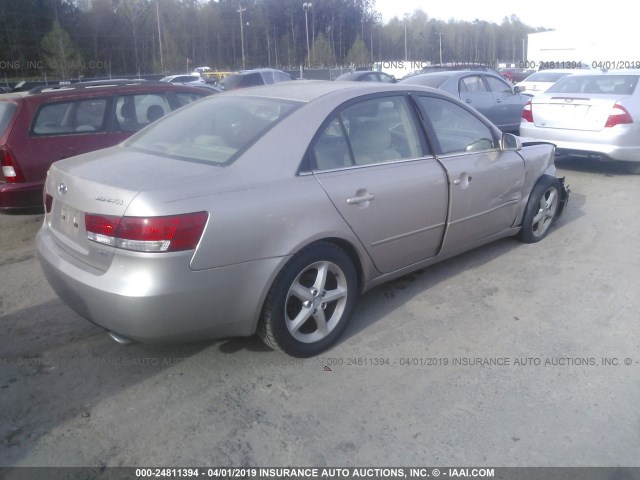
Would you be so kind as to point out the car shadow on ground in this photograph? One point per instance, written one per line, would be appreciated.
(56, 366)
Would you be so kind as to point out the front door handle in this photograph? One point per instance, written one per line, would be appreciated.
(464, 180)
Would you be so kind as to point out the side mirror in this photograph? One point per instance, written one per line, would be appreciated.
(519, 89)
(510, 143)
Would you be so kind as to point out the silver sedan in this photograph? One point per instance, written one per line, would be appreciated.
(487, 92)
(593, 115)
(268, 210)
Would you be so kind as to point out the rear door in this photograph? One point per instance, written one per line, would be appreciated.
(486, 183)
(370, 160)
(474, 92)
(67, 128)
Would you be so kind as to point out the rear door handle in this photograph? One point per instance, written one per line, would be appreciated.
(360, 198)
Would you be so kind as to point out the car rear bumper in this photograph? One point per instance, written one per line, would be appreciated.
(166, 302)
(21, 197)
(596, 145)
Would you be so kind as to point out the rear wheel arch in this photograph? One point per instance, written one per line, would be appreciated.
(333, 253)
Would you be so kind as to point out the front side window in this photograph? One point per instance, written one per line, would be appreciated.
(456, 129)
(73, 117)
(372, 131)
(214, 130)
(498, 86)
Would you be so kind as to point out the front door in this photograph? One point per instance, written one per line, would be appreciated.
(486, 182)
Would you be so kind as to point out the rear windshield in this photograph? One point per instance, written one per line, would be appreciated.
(433, 81)
(215, 130)
(596, 84)
(7, 110)
(546, 76)
(231, 82)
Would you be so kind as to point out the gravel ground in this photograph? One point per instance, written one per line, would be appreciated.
(509, 355)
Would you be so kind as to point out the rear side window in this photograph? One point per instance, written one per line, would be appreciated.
(7, 109)
(67, 118)
(472, 84)
(134, 112)
(369, 132)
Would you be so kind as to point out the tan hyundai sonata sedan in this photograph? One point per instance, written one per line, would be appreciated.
(269, 210)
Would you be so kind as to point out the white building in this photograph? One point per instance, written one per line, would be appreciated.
(591, 49)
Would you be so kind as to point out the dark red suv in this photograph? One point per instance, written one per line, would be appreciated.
(50, 123)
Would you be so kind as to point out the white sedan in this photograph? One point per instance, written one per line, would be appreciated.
(593, 115)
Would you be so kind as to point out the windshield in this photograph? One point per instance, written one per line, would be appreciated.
(213, 130)
(596, 84)
(6, 114)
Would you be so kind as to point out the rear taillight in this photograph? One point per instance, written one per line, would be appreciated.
(618, 116)
(147, 234)
(527, 113)
(10, 169)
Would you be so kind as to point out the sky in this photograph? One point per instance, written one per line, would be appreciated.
(554, 14)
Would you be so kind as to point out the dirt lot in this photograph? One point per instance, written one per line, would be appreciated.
(409, 383)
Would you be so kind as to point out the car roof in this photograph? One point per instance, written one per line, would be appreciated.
(309, 90)
(257, 70)
(629, 71)
(95, 88)
(454, 73)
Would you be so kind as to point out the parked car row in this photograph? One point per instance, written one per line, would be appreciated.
(585, 113)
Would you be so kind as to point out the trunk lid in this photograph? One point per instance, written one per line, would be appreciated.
(573, 112)
(106, 183)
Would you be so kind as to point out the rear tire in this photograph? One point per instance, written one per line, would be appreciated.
(542, 210)
(310, 302)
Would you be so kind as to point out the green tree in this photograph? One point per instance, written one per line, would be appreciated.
(321, 52)
(60, 54)
(358, 54)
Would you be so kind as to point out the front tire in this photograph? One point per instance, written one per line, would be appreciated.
(542, 210)
(310, 302)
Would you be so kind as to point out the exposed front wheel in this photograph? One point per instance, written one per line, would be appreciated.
(310, 301)
(542, 210)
